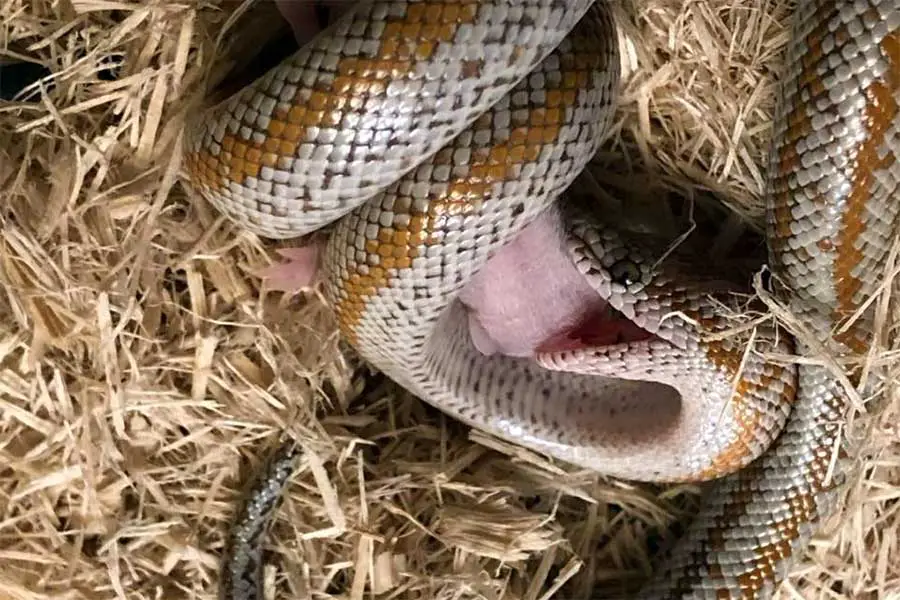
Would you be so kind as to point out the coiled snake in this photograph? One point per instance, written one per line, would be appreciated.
(435, 132)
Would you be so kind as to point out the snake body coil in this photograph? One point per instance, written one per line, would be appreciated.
(434, 132)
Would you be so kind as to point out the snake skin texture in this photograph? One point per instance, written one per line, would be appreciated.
(432, 133)
(241, 577)
(385, 86)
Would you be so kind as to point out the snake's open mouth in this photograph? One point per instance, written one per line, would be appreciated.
(603, 327)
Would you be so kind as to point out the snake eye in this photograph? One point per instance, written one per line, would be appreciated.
(625, 272)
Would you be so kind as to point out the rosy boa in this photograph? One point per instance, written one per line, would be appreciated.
(432, 132)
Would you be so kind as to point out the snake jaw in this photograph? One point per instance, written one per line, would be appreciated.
(609, 344)
(600, 328)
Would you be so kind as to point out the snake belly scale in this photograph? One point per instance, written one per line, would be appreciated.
(432, 133)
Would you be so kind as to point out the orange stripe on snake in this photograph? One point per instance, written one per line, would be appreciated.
(880, 114)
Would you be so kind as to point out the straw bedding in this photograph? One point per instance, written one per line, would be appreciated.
(145, 369)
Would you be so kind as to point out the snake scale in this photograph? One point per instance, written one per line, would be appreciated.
(431, 133)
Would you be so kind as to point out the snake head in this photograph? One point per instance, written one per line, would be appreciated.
(661, 317)
(646, 295)
(671, 324)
